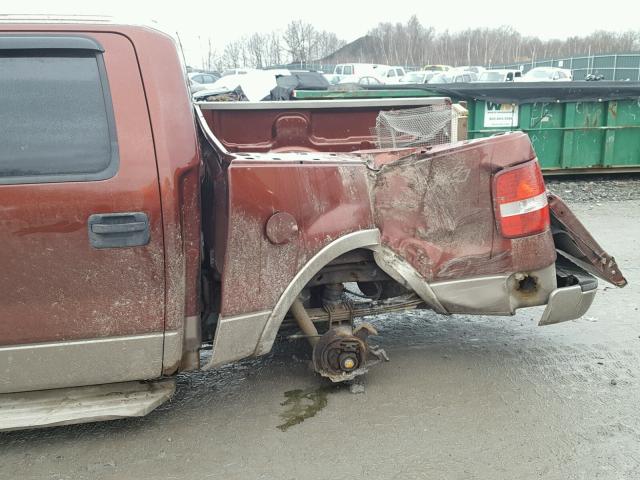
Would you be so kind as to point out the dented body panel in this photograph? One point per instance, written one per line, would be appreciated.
(435, 209)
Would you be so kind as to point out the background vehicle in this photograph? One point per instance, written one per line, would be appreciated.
(237, 71)
(473, 68)
(140, 229)
(359, 69)
(547, 74)
(201, 81)
(392, 75)
(453, 76)
(437, 68)
(362, 80)
(418, 77)
(500, 76)
(203, 78)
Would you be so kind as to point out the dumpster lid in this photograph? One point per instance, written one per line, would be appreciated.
(531, 92)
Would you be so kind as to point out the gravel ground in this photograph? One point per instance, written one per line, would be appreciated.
(594, 189)
(463, 398)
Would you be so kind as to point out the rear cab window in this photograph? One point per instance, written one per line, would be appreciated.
(56, 111)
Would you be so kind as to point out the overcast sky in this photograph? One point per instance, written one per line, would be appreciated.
(198, 20)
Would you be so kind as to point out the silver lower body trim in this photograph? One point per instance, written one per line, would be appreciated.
(236, 337)
(495, 295)
(43, 366)
(65, 406)
(172, 352)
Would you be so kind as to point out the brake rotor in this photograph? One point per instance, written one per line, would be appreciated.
(342, 353)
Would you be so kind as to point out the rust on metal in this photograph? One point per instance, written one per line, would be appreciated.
(304, 322)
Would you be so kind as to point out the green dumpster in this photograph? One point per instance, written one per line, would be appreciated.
(363, 93)
(568, 136)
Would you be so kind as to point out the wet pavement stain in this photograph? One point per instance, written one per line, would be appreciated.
(303, 404)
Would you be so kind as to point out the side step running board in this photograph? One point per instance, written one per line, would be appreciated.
(49, 408)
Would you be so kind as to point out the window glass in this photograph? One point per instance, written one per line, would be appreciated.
(54, 117)
(348, 70)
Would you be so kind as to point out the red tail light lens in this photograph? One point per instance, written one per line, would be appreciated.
(520, 200)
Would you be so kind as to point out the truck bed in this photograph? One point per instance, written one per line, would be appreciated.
(303, 125)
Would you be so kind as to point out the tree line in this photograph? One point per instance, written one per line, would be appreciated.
(415, 44)
(299, 42)
(412, 43)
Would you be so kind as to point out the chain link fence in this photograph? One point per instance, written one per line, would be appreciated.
(624, 66)
(613, 67)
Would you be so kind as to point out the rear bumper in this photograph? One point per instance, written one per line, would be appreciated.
(497, 294)
(567, 303)
(574, 295)
(565, 289)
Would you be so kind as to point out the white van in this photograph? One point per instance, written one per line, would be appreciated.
(359, 70)
(500, 76)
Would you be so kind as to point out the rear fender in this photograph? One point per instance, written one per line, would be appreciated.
(435, 210)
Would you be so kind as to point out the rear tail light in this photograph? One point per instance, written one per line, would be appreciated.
(520, 200)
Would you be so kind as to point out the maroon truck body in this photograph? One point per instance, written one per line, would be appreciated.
(241, 227)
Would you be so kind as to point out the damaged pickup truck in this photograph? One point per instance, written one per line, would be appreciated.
(138, 229)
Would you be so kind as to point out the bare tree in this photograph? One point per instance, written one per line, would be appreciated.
(231, 56)
(412, 43)
(257, 46)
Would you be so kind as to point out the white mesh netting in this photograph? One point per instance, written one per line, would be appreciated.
(415, 127)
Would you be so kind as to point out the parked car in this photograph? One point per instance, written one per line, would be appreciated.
(200, 81)
(452, 76)
(500, 76)
(359, 69)
(139, 228)
(195, 87)
(547, 74)
(392, 75)
(418, 77)
(203, 78)
(237, 71)
(473, 68)
(361, 80)
(437, 68)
